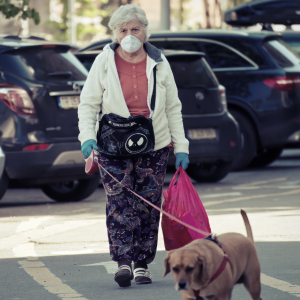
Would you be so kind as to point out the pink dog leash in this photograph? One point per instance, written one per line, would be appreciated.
(225, 259)
(159, 209)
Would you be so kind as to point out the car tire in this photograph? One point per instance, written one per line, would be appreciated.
(71, 191)
(209, 172)
(265, 158)
(4, 181)
(248, 143)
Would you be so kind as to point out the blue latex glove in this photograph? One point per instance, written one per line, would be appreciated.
(86, 148)
(183, 160)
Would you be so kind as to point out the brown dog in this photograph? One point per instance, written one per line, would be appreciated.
(196, 265)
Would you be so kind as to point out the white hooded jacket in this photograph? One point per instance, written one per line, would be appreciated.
(103, 91)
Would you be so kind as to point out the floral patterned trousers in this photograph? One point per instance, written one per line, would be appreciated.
(132, 224)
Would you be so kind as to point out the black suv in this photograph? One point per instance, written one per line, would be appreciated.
(262, 80)
(212, 132)
(40, 85)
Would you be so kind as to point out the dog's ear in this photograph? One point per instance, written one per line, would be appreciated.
(167, 264)
(203, 272)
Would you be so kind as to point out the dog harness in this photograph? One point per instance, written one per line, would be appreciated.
(214, 239)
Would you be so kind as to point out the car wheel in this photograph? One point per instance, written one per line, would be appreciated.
(266, 157)
(209, 172)
(71, 191)
(249, 141)
(4, 181)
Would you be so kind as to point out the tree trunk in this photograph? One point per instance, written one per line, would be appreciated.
(207, 15)
(180, 13)
(217, 12)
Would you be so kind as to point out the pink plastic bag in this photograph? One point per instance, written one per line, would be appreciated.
(182, 201)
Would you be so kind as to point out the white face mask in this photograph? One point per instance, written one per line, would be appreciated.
(130, 44)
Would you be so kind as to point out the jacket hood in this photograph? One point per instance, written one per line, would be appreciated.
(151, 50)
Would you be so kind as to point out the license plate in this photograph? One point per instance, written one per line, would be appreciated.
(201, 134)
(66, 102)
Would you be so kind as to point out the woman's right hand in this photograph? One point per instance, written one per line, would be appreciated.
(86, 148)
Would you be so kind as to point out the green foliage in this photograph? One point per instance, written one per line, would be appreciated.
(85, 8)
(60, 29)
(84, 31)
(23, 12)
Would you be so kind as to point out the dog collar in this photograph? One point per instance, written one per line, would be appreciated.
(219, 271)
(197, 295)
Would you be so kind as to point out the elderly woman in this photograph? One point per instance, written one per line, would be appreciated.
(121, 82)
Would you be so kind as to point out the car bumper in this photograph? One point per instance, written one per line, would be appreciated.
(225, 147)
(60, 162)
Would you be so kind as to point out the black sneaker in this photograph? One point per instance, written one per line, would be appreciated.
(124, 276)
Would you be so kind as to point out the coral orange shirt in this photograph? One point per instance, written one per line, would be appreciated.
(134, 83)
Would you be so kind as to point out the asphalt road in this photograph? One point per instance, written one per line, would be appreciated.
(52, 250)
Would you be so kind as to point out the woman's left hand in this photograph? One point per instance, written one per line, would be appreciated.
(183, 160)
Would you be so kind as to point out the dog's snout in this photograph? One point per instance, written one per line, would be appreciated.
(182, 285)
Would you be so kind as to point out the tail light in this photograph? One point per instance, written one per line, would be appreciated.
(17, 99)
(35, 147)
(222, 97)
(283, 83)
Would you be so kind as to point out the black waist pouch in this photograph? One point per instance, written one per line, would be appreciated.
(123, 138)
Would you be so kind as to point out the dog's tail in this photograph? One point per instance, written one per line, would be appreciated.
(247, 224)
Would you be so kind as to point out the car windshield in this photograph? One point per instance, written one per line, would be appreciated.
(43, 64)
(192, 71)
(284, 56)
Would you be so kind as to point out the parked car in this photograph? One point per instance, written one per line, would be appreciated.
(267, 12)
(212, 132)
(40, 84)
(261, 77)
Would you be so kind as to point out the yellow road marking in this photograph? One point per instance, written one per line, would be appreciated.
(263, 182)
(49, 281)
(293, 192)
(34, 267)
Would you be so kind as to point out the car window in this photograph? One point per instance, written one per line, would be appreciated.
(191, 71)
(222, 57)
(281, 53)
(41, 64)
(158, 44)
(249, 50)
(184, 45)
(87, 61)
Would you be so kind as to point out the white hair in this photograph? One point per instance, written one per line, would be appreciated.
(123, 15)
